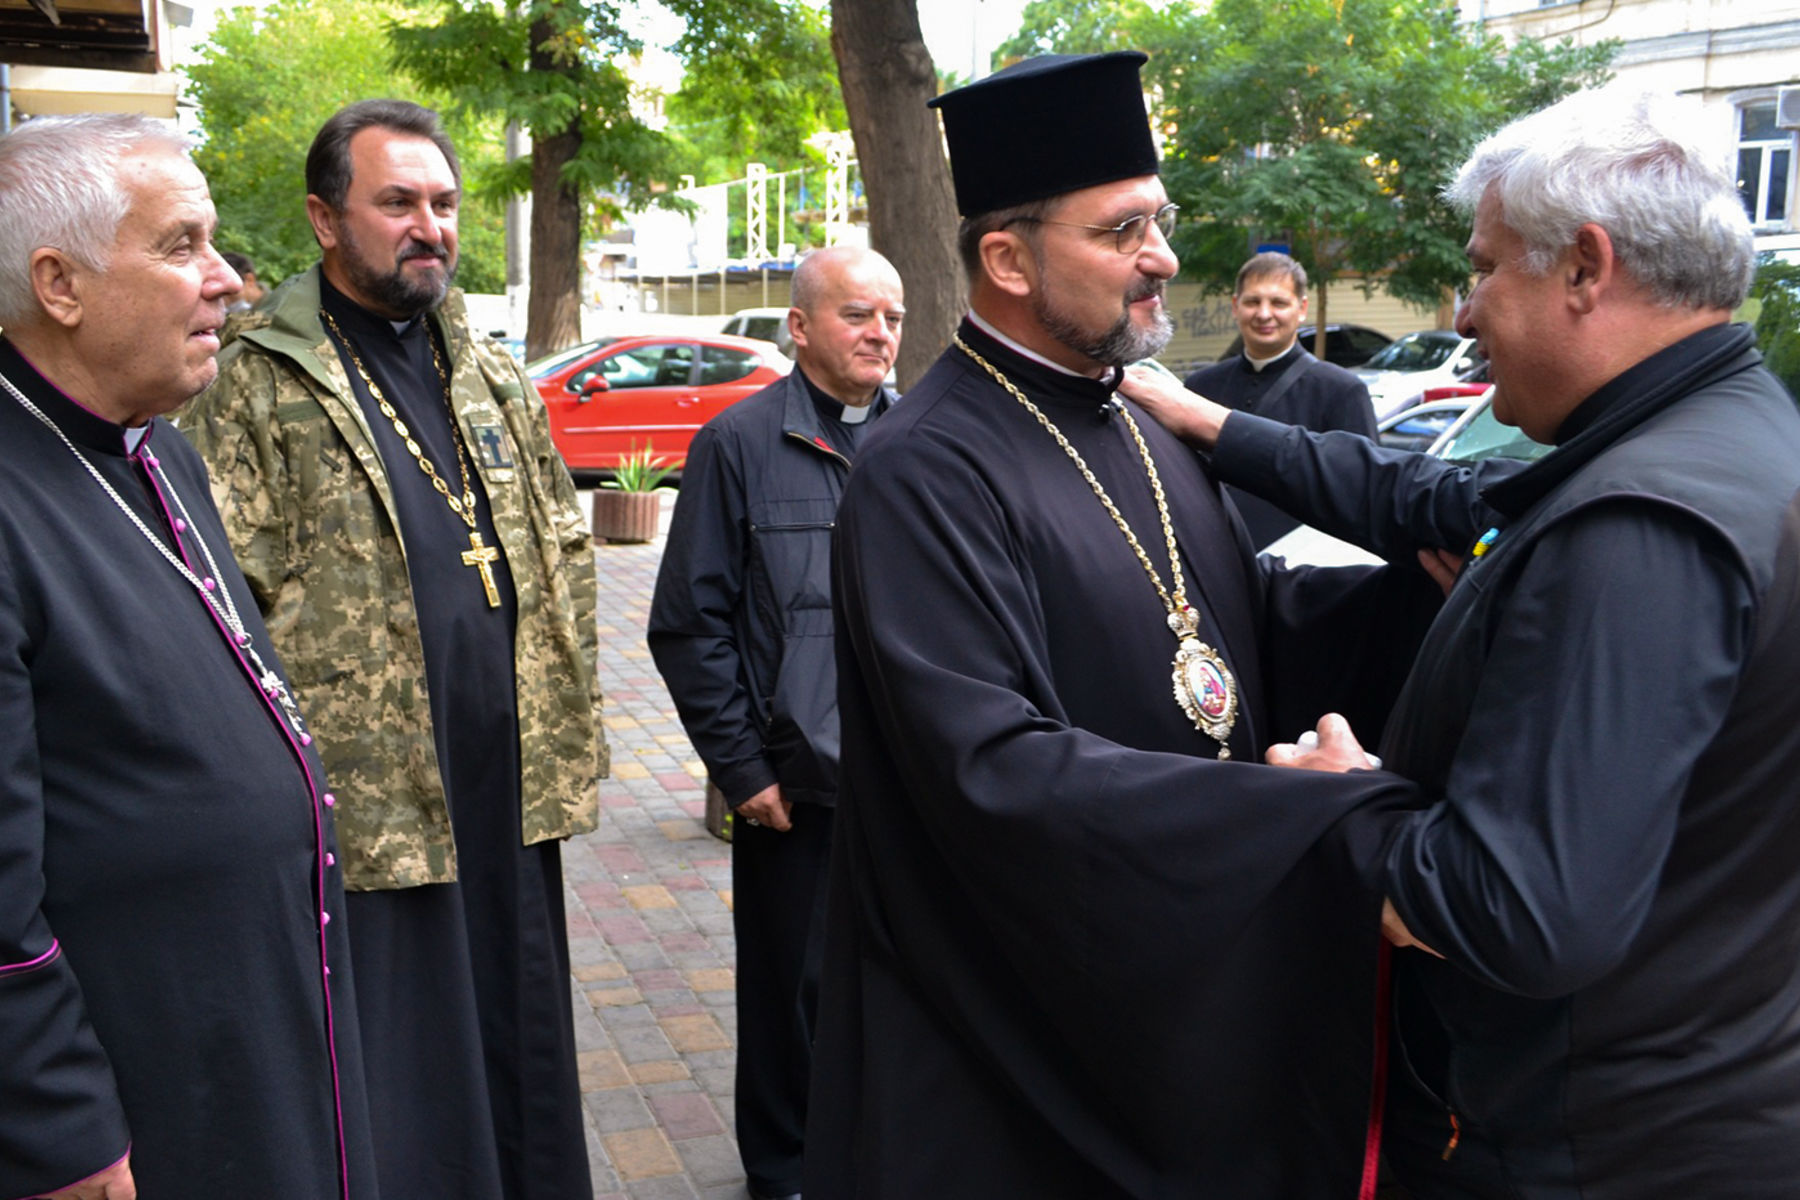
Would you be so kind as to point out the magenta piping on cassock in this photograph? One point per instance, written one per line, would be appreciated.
(319, 854)
(32, 964)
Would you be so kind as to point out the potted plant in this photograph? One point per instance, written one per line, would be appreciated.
(628, 506)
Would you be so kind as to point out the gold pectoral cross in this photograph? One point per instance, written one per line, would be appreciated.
(482, 558)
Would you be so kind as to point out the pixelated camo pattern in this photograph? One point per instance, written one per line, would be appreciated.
(311, 516)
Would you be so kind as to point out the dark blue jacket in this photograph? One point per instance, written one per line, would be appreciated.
(740, 625)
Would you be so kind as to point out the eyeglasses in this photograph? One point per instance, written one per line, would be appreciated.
(1129, 234)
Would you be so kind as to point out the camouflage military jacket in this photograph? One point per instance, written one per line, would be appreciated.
(310, 511)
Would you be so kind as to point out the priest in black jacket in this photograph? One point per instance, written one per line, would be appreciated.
(1079, 943)
(1274, 376)
(740, 626)
(176, 1015)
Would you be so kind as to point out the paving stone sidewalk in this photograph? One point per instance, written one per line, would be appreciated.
(649, 909)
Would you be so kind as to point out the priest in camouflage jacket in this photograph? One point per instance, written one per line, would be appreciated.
(414, 541)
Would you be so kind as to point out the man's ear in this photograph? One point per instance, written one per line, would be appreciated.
(796, 323)
(323, 220)
(1007, 260)
(1590, 268)
(56, 281)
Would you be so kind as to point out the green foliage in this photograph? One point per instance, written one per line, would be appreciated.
(1331, 125)
(549, 66)
(266, 82)
(1079, 27)
(1777, 288)
(638, 471)
(760, 80)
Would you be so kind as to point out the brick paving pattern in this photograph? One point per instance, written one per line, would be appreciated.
(650, 942)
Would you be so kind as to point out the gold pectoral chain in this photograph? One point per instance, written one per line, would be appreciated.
(479, 555)
(1204, 686)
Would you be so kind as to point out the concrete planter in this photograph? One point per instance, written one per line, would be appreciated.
(625, 516)
(718, 814)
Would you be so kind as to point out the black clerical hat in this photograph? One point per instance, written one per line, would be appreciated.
(1045, 126)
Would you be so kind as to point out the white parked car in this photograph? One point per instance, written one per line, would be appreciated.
(1469, 433)
(1404, 368)
(765, 324)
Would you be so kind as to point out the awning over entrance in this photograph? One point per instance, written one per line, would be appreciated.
(55, 91)
(115, 35)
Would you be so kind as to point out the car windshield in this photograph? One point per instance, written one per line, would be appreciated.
(551, 363)
(1416, 352)
(1485, 437)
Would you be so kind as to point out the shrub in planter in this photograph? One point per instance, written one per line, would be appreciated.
(628, 506)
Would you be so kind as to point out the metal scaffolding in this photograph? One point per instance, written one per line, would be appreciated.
(840, 151)
(756, 212)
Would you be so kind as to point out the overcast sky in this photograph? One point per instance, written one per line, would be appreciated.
(952, 27)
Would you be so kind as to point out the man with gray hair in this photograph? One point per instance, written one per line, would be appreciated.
(1604, 885)
(741, 630)
(175, 994)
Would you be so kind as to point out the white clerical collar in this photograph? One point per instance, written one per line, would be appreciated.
(134, 437)
(1257, 364)
(831, 407)
(975, 320)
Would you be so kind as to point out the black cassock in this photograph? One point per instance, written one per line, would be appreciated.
(170, 974)
(465, 1001)
(1323, 396)
(1070, 953)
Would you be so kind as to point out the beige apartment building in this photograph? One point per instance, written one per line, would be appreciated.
(1741, 58)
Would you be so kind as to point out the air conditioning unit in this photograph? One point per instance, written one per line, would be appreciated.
(1787, 108)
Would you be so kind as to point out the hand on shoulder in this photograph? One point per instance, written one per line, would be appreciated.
(1189, 416)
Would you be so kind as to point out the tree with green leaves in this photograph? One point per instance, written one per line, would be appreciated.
(550, 66)
(266, 81)
(759, 81)
(1777, 292)
(1327, 125)
(888, 77)
(1079, 27)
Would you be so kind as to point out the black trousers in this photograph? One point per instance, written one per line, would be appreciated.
(778, 913)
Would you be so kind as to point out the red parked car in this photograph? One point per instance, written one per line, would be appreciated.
(616, 396)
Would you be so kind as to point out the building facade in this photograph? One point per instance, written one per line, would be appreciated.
(1741, 58)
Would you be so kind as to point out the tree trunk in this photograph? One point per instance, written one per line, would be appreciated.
(553, 312)
(887, 76)
(1318, 315)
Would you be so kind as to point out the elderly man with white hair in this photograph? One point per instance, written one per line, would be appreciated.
(175, 1013)
(1602, 894)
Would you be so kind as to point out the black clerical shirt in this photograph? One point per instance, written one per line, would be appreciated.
(468, 644)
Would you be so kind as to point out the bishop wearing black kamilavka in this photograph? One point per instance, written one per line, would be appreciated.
(1081, 944)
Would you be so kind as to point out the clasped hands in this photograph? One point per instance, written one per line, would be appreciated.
(1333, 747)
(768, 808)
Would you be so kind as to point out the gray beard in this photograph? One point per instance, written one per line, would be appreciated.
(1119, 346)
